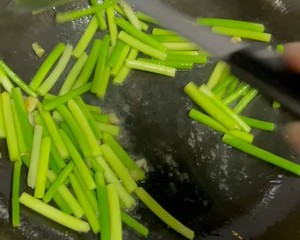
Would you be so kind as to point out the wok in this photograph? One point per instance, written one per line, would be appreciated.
(208, 186)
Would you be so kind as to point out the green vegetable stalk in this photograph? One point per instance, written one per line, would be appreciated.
(73, 75)
(126, 199)
(133, 42)
(151, 67)
(200, 59)
(86, 38)
(135, 171)
(112, 27)
(115, 53)
(60, 202)
(100, 16)
(162, 31)
(210, 122)
(180, 46)
(169, 63)
(232, 87)
(118, 167)
(89, 66)
(262, 154)
(184, 53)
(78, 162)
(169, 38)
(130, 14)
(62, 17)
(41, 177)
(5, 82)
(26, 127)
(134, 224)
(90, 194)
(114, 212)
(15, 206)
(52, 166)
(64, 126)
(88, 116)
(93, 108)
(242, 125)
(95, 166)
(57, 182)
(121, 59)
(223, 84)
(216, 74)
(55, 155)
(53, 103)
(46, 86)
(138, 34)
(145, 18)
(54, 214)
(259, 124)
(124, 71)
(2, 122)
(88, 210)
(24, 153)
(67, 196)
(17, 80)
(243, 103)
(85, 126)
(10, 128)
(264, 37)
(120, 11)
(103, 203)
(210, 107)
(229, 23)
(160, 212)
(76, 130)
(99, 84)
(46, 66)
(53, 132)
(241, 90)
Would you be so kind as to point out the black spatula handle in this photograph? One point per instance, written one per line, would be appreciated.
(269, 73)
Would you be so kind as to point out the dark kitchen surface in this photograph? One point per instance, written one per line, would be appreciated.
(208, 186)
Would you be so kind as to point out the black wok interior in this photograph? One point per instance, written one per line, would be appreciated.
(208, 186)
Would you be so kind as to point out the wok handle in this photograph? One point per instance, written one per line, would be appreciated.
(268, 72)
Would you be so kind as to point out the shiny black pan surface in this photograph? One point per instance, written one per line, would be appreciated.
(210, 187)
